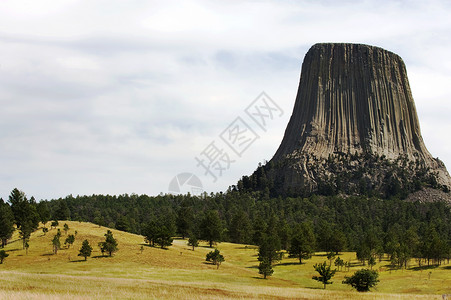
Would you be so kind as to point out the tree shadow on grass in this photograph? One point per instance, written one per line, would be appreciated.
(247, 248)
(289, 264)
(78, 260)
(13, 250)
(424, 268)
(252, 267)
(357, 264)
(101, 256)
(447, 268)
(155, 247)
(47, 254)
(260, 278)
(207, 247)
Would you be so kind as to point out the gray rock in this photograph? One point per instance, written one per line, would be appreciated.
(353, 101)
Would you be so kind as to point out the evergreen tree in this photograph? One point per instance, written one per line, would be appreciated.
(56, 243)
(85, 250)
(303, 242)
(164, 237)
(363, 253)
(284, 232)
(151, 231)
(240, 228)
(69, 240)
(325, 273)
(215, 257)
(123, 224)
(19, 206)
(211, 227)
(268, 254)
(62, 212)
(66, 228)
(109, 245)
(185, 219)
(339, 263)
(265, 268)
(371, 262)
(6, 222)
(337, 241)
(324, 235)
(259, 227)
(362, 280)
(192, 241)
(43, 212)
(25, 214)
(159, 232)
(25, 232)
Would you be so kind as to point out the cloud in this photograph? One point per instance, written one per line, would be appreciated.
(119, 97)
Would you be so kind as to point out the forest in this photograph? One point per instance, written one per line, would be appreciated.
(371, 226)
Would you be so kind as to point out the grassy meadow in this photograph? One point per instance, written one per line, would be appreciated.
(179, 272)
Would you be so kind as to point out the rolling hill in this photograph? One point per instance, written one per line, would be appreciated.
(179, 272)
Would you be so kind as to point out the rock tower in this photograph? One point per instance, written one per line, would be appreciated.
(354, 128)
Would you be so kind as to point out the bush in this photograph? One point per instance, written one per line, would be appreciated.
(363, 280)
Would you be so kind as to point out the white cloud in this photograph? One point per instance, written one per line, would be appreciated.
(120, 96)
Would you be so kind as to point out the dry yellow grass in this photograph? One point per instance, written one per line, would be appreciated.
(179, 272)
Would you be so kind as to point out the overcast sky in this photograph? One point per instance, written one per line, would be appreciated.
(118, 97)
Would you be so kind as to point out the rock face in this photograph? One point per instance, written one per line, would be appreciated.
(354, 112)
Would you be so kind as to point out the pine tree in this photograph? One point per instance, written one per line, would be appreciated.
(325, 273)
(159, 232)
(270, 249)
(211, 227)
(43, 212)
(6, 222)
(25, 214)
(192, 241)
(85, 249)
(265, 268)
(303, 242)
(240, 228)
(184, 221)
(110, 244)
(56, 243)
(70, 240)
(339, 263)
(215, 257)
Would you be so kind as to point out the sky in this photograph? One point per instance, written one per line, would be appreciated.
(115, 97)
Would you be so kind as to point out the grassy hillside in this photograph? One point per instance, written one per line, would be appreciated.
(179, 272)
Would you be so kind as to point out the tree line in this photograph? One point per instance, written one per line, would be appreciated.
(371, 226)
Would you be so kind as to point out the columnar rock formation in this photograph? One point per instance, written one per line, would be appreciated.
(354, 112)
